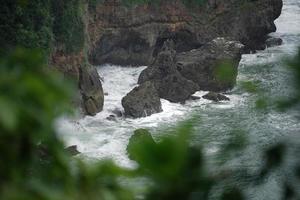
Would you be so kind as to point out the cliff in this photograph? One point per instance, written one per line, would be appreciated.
(133, 35)
(76, 35)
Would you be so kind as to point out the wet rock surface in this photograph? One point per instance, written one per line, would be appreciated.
(170, 84)
(205, 65)
(271, 42)
(91, 90)
(216, 97)
(142, 101)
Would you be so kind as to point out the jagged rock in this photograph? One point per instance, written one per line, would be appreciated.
(139, 138)
(176, 88)
(271, 42)
(111, 118)
(117, 112)
(215, 97)
(72, 150)
(214, 66)
(193, 98)
(44, 154)
(91, 90)
(142, 101)
(170, 84)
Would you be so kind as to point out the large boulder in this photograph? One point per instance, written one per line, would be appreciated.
(213, 66)
(142, 101)
(170, 84)
(91, 90)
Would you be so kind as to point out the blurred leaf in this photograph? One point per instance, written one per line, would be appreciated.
(225, 72)
(261, 104)
(8, 114)
(249, 86)
(233, 194)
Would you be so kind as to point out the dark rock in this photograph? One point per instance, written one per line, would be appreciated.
(170, 84)
(214, 66)
(45, 155)
(117, 112)
(215, 97)
(126, 47)
(72, 150)
(91, 90)
(111, 118)
(106, 94)
(138, 140)
(142, 101)
(176, 88)
(271, 42)
(193, 98)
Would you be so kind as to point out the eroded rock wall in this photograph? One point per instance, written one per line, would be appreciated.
(133, 35)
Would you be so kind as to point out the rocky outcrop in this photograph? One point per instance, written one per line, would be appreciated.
(213, 66)
(91, 90)
(72, 150)
(142, 101)
(216, 97)
(134, 35)
(90, 95)
(271, 42)
(170, 84)
(74, 66)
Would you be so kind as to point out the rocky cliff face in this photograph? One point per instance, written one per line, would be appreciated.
(90, 97)
(134, 35)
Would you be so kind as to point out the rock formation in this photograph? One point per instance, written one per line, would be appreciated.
(133, 35)
(170, 84)
(271, 42)
(216, 97)
(142, 101)
(206, 64)
(90, 97)
(91, 90)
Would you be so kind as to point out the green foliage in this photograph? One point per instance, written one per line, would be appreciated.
(294, 65)
(33, 162)
(68, 26)
(41, 24)
(225, 72)
(26, 23)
